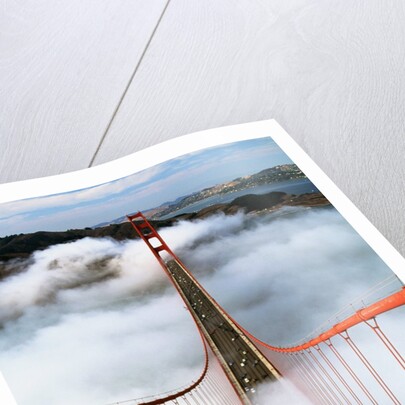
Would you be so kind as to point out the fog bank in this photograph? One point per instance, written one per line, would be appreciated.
(96, 321)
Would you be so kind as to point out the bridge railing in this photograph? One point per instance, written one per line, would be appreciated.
(382, 289)
(330, 367)
(323, 369)
(211, 388)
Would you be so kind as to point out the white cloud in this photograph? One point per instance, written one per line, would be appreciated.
(98, 317)
(280, 393)
(87, 195)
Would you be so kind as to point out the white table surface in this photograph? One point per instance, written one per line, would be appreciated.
(85, 82)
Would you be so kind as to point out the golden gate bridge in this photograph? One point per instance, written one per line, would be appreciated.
(237, 363)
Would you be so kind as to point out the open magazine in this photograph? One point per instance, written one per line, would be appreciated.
(220, 267)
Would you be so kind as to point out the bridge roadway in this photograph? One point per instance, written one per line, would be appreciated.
(247, 367)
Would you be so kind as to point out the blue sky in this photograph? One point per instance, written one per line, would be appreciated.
(140, 191)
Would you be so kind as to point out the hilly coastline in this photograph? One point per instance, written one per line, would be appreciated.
(23, 245)
(273, 175)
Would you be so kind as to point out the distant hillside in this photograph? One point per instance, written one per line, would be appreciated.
(260, 204)
(21, 246)
(271, 175)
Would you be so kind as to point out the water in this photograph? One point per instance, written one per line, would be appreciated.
(300, 186)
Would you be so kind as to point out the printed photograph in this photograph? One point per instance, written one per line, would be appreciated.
(223, 276)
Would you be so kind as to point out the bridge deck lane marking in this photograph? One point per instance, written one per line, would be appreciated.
(242, 358)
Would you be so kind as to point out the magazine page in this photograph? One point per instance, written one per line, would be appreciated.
(222, 267)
